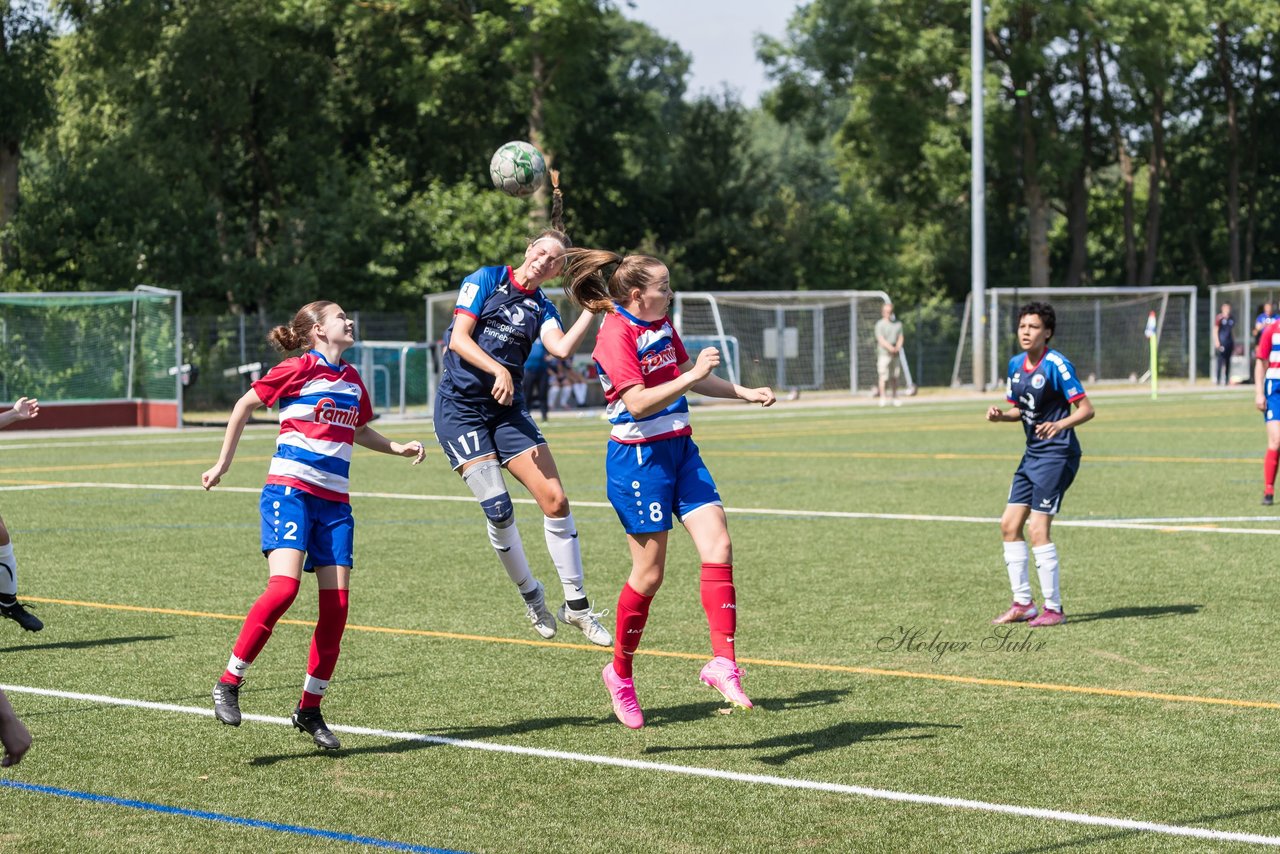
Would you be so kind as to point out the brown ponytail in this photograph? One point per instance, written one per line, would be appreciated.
(589, 287)
(297, 334)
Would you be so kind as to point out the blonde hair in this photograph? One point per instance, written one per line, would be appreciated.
(556, 231)
(589, 288)
(300, 331)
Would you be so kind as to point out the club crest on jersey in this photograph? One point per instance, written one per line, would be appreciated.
(328, 412)
(513, 313)
(1037, 381)
(650, 362)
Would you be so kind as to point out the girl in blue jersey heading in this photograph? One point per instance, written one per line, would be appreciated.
(1042, 386)
(482, 420)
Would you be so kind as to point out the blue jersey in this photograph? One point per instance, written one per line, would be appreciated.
(1044, 393)
(509, 318)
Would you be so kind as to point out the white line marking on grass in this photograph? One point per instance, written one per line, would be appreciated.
(694, 771)
(1160, 526)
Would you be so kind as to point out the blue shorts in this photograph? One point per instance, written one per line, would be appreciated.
(1272, 412)
(468, 430)
(1039, 482)
(293, 519)
(650, 484)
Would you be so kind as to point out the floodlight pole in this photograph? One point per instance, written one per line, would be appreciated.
(977, 196)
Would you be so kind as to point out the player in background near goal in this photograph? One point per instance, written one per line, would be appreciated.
(10, 607)
(654, 473)
(306, 516)
(1042, 386)
(1266, 384)
(482, 420)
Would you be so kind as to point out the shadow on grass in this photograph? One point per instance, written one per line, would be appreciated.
(1137, 612)
(831, 738)
(473, 733)
(687, 712)
(85, 644)
(1125, 834)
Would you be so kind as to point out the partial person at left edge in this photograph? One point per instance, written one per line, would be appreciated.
(10, 607)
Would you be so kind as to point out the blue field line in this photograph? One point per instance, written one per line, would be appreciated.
(335, 836)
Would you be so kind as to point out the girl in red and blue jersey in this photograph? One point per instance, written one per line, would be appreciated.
(653, 469)
(306, 516)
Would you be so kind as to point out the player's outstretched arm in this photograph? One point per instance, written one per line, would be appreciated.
(240, 414)
(995, 413)
(366, 437)
(23, 408)
(562, 344)
(714, 386)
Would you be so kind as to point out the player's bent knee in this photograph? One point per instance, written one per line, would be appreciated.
(485, 481)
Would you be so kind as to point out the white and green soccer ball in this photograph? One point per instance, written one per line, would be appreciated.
(518, 169)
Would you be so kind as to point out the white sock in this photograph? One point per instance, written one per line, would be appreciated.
(580, 393)
(506, 542)
(8, 571)
(562, 544)
(1047, 568)
(1016, 558)
(566, 391)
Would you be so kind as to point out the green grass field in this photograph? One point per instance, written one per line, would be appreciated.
(1156, 703)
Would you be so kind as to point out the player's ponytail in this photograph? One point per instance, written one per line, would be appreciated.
(297, 334)
(589, 287)
(556, 232)
(584, 279)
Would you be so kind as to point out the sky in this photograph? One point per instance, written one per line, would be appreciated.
(719, 35)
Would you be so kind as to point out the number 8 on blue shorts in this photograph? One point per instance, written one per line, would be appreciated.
(652, 484)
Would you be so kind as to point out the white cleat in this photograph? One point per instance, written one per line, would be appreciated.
(543, 623)
(588, 621)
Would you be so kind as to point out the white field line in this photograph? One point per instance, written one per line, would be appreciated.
(1205, 525)
(694, 771)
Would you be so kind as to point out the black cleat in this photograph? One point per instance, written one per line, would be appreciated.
(1268, 500)
(21, 616)
(226, 703)
(310, 721)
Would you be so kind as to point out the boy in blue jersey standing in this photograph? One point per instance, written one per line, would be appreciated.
(1042, 386)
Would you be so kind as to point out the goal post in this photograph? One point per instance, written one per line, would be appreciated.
(94, 358)
(801, 340)
(1101, 330)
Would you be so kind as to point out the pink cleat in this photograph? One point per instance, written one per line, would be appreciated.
(1050, 617)
(726, 677)
(623, 693)
(1017, 613)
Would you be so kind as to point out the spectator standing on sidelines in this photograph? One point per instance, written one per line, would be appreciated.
(888, 331)
(1224, 344)
(536, 383)
(1266, 317)
(10, 607)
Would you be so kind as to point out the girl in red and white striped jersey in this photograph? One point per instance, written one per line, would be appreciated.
(306, 517)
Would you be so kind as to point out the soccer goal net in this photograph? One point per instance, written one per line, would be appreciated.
(812, 340)
(95, 359)
(1101, 330)
(1247, 301)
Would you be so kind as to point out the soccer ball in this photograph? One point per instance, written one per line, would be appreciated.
(518, 169)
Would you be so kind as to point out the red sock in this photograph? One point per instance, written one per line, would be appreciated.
(270, 607)
(325, 645)
(633, 613)
(721, 604)
(1269, 471)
